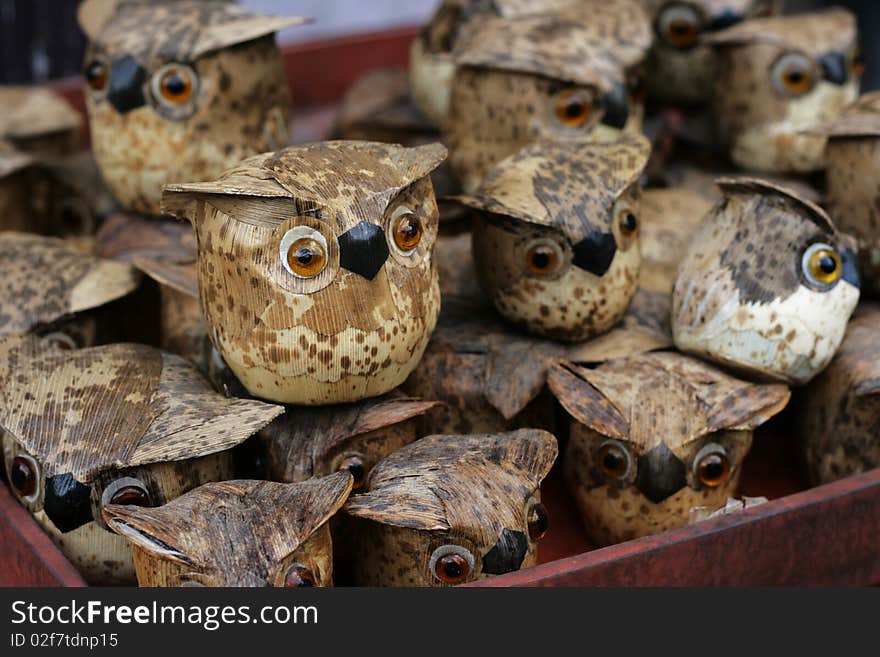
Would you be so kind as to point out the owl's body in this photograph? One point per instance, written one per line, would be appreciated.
(452, 509)
(123, 424)
(180, 90)
(555, 235)
(853, 156)
(780, 78)
(840, 409)
(680, 69)
(558, 76)
(767, 286)
(333, 293)
(654, 436)
(236, 534)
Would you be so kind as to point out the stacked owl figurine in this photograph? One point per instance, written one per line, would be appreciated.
(247, 362)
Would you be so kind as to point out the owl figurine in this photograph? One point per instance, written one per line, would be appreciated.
(180, 90)
(840, 409)
(853, 155)
(333, 294)
(778, 79)
(236, 534)
(555, 235)
(49, 288)
(767, 286)
(38, 122)
(117, 424)
(653, 436)
(680, 68)
(447, 510)
(557, 76)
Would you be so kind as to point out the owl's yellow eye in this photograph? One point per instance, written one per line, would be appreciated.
(306, 257)
(298, 576)
(793, 75)
(355, 465)
(614, 460)
(822, 265)
(543, 257)
(23, 476)
(174, 85)
(679, 25)
(574, 108)
(97, 74)
(451, 564)
(628, 223)
(538, 520)
(407, 231)
(711, 466)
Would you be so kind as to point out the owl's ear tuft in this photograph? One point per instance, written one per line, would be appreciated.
(179, 203)
(93, 16)
(241, 29)
(748, 407)
(147, 529)
(584, 402)
(418, 162)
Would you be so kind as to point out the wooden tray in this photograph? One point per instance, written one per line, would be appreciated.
(826, 536)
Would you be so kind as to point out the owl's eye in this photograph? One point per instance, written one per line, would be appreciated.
(128, 491)
(614, 459)
(451, 564)
(857, 64)
(304, 252)
(543, 257)
(24, 476)
(793, 74)
(537, 519)
(712, 466)
(97, 75)
(628, 223)
(59, 340)
(680, 26)
(574, 108)
(355, 465)
(406, 230)
(174, 84)
(298, 576)
(821, 265)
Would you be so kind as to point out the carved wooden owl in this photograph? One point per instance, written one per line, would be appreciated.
(38, 122)
(48, 287)
(680, 69)
(778, 79)
(653, 436)
(333, 293)
(121, 424)
(853, 156)
(452, 509)
(180, 90)
(840, 409)
(555, 235)
(561, 76)
(236, 534)
(767, 286)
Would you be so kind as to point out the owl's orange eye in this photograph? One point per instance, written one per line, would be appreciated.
(574, 107)
(711, 466)
(97, 74)
(614, 460)
(857, 65)
(543, 257)
(407, 231)
(451, 564)
(133, 495)
(23, 476)
(354, 464)
(629, 224)
(174, 85)
(306, 257)
(793, 75)
(298, 576)
(822, 265)
(679, 25)
(538, 521)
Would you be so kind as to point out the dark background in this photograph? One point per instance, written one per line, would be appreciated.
(39, 39)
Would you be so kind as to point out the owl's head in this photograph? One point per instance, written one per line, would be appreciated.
(180, 90)
(236, 534)
(653, 436)
(38, 122)
(561, 76)
(119, 424)
(555, 235)
(51, 289)
(778, 79)
(840, 409)
(680, 68)
(315, 442)
(767, 286)
(333, 293)
(452, 509)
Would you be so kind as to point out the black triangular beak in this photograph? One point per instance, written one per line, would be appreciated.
(616, 107)
(661, 474)
(727, 18)
(595, 253)
(363, 250)
(67, 502)
(834, 67)
(127, 78)
(507, 554)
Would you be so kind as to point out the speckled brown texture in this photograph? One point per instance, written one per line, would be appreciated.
(240, 106)
(840, 409)
(853, 198)
(564, 192)
(647, 405)
(235, 533)
(742, 296)
(467, 491)
(763, 128)
(38, 122)
(338, 336)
